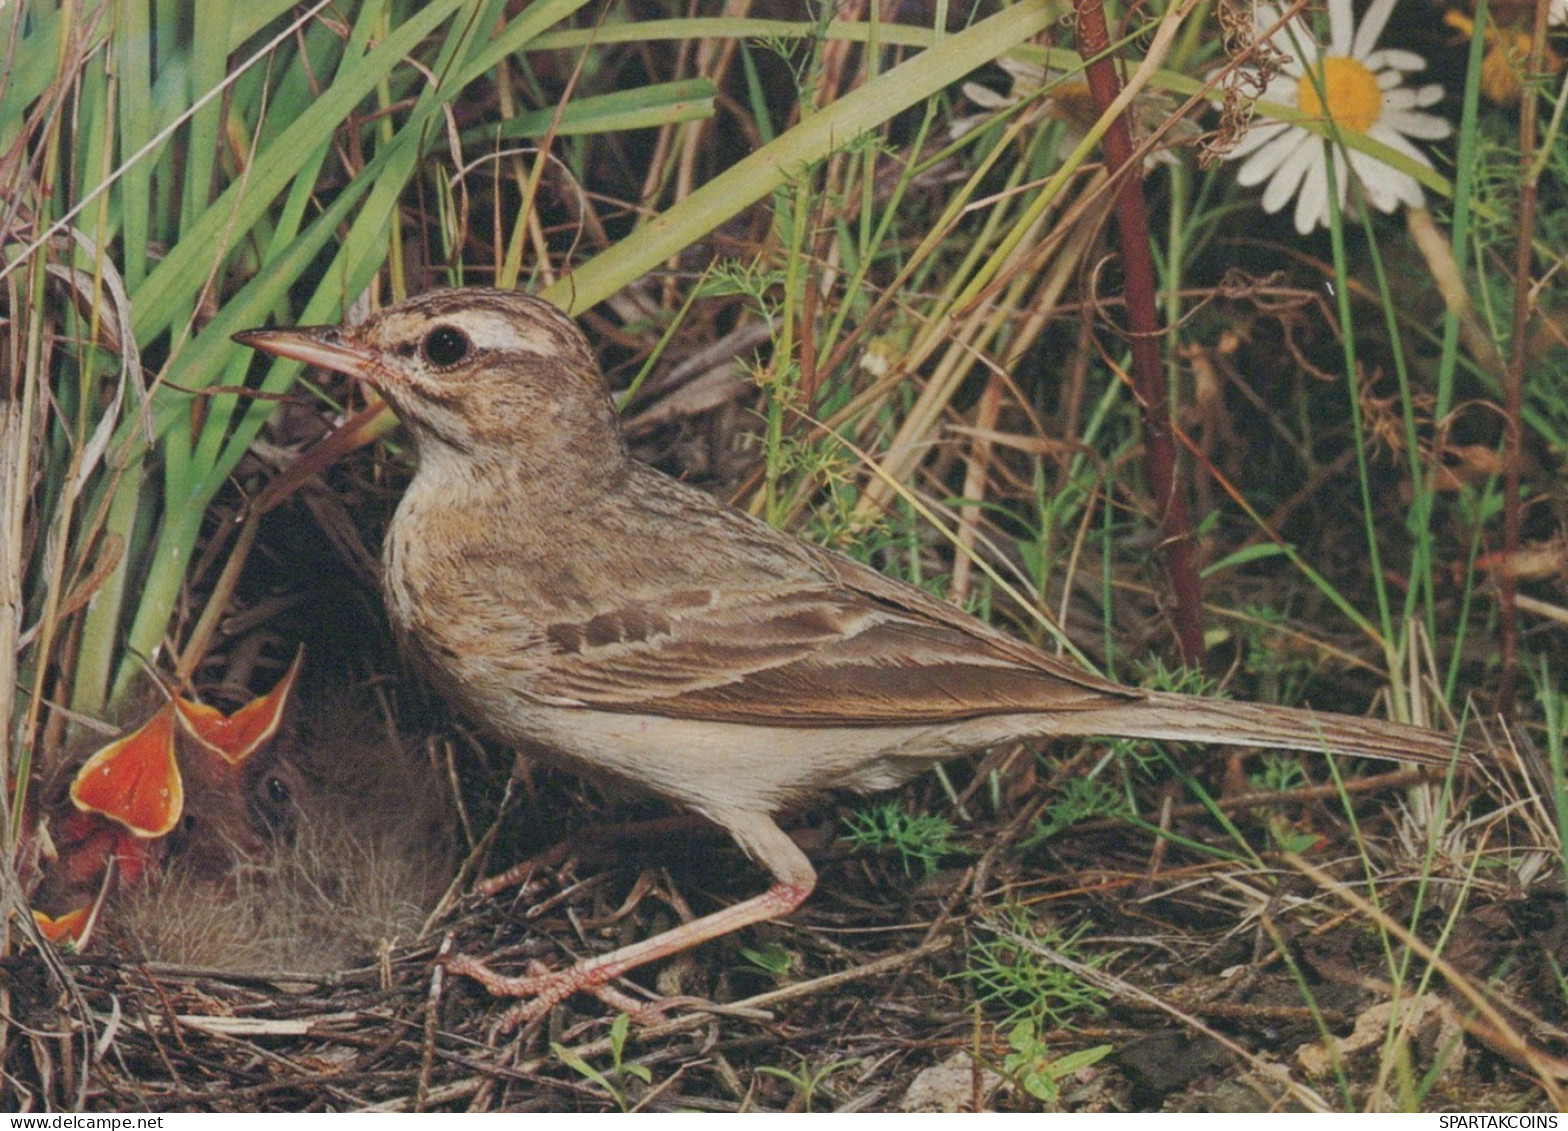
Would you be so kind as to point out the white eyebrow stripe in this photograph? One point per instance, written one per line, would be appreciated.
(505, 335)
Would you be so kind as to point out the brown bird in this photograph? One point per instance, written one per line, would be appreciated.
(364, 854)
(191, 790)
(650, 637)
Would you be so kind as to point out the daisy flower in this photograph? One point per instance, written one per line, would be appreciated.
(1357, 87)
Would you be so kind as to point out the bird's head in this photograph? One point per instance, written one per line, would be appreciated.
(476, 373)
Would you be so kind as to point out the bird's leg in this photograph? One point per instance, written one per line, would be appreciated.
(764, 841)
(545, 988)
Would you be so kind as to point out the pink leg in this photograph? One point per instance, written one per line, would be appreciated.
(762, 840)
(545, 988)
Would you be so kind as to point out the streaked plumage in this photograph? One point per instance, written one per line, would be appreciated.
(562, 593)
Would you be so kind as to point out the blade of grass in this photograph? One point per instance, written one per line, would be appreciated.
(769, 168)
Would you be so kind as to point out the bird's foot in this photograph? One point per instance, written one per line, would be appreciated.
(521, 876)
(542, 989)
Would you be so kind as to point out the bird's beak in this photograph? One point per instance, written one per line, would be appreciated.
(314, 345)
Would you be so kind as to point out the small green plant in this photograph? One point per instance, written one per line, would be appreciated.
(1160, 676)
(1079, 799)
(1281, 671)
(1280, 774)
(807, 1080)
(614, 1082)
(752, 281)
(1288, 838)
(1029, 1063)
(771, 958)
(922, 838)
(1008, 971)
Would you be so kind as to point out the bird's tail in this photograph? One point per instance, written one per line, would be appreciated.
(1190, 718)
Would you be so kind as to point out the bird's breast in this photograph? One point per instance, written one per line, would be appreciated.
(463, 610)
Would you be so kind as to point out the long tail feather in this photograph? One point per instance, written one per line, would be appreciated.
(1190, 718)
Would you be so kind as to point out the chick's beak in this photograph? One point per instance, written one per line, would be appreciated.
(314, 345)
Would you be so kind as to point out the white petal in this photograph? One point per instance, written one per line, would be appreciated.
(1257, 137)
(1394, 58)
(1281, 88)
(1410, 191)
(1377, 182)
(1312, 204)
(1428, 127)
(1384, 188)
(1341, 27)
(1291, 173)
(1429, 95)
(1262, 164)
(1372, 25)
(1266, 16)
(1030, 76)
(1296, 40)
(1397, 143)
(984, 97)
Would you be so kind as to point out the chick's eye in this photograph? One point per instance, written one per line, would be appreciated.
(277, 792)
(446, 345)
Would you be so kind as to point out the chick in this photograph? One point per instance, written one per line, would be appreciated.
(363, 848)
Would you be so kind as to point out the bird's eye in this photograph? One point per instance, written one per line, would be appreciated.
(446, 345)
(277, 792)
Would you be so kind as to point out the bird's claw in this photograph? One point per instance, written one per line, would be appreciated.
(542, 989)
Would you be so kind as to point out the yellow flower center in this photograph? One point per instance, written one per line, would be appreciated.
(1350, 90)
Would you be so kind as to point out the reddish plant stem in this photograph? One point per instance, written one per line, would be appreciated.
(1132, 226)
(1513, 379)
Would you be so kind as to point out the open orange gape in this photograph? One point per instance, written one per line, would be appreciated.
(188, 781)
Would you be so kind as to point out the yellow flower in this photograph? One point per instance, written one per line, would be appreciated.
(1507, 51)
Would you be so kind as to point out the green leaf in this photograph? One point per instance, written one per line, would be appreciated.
(645, 107)
(819, 134)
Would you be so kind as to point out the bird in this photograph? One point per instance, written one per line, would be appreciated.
(190, 790)
(651, 638)
(299, 847)
(141, 780)
(367, 849)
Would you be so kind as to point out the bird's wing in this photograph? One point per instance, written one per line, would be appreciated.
(849, 647)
